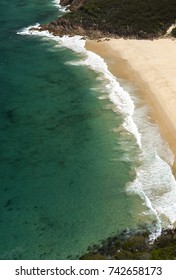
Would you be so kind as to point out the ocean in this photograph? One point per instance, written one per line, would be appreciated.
(78, 163)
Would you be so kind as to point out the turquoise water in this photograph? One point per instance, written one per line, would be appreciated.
(62, 173)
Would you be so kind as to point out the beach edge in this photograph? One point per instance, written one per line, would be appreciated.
(113, 51)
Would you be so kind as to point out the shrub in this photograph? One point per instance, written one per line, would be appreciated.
(173, 32)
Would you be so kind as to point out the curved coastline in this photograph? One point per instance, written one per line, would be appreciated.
(125, 104)
(152, 73)
(127, 59)
(126, 62)
(128, 71)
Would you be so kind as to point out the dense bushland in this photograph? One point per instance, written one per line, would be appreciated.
(126, 18)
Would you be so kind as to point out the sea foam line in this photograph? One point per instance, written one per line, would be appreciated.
(117, 94)
(154, 181)
(56, 3)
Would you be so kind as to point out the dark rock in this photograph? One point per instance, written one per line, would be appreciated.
(34, 29)
(73, 4)
(8, 203)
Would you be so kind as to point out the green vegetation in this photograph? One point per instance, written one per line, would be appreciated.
(173, 32)
(125, 18)
(135, 246)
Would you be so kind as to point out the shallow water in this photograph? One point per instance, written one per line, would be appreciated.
(62, 173)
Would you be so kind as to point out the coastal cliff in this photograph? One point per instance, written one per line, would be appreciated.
(115, 18)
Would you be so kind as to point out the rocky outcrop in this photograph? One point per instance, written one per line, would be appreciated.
(117, 18)
(63, 26)
(73, 4)
(65, 2)
(72, 26)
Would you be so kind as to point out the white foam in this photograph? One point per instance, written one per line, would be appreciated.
(56, 3)
(158, 184)
(154, 176)
(154, 181)
(116, 93)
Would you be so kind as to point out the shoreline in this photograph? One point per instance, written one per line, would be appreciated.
(149, 173)
(154, 81)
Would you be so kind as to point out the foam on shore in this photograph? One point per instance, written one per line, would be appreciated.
(56, 3)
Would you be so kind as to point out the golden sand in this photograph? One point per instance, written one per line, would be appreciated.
(151, 67)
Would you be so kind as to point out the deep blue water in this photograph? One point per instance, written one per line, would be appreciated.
(60, 188)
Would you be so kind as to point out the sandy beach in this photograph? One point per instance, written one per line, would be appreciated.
(151, 67)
